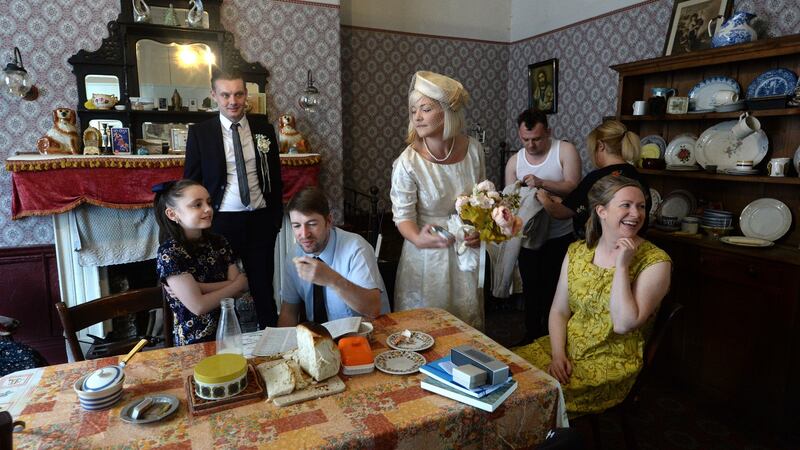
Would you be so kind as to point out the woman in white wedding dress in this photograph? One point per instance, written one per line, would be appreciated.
(439, 164)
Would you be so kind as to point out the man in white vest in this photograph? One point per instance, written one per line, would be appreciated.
(554, 166)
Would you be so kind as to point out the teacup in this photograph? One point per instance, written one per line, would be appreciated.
(747, 125)
(777, 167)
(639, 108)
(690, 224)
(104, 101)
(724, 98)
(744, 165)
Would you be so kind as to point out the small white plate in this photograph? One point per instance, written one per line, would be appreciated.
(399, 362)
(418, 341)
(163, 406)
(680, 151)
(744, 241)
(765, 218)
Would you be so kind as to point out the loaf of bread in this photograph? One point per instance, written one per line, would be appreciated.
(279, 377)
(317, 354)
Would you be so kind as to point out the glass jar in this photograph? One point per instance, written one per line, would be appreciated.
(229, 334)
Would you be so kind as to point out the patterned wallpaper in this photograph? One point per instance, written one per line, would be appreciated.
(587, 88)
(372, 67)
(287, 37)
(376, 70)
(377, 66)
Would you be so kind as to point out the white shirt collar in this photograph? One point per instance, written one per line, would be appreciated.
(226, 123)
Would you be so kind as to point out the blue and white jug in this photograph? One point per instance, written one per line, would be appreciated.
(736, 30)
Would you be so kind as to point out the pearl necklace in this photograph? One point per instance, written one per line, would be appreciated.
(446, 156)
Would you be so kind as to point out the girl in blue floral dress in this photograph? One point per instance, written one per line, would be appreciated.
(197, 267)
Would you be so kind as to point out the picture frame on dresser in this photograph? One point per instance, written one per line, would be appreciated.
(121, 141)
(688, 27)
(543, 86)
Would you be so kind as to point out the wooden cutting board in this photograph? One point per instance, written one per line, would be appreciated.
(333, 385)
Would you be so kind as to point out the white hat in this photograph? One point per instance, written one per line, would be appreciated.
(441, 88)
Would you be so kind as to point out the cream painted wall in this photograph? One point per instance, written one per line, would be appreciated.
(473, 19)
(491, 20)
(534, 17)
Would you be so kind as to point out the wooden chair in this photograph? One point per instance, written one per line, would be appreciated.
(664, 322)
(79, 317)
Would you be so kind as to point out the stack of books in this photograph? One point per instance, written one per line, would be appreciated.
(439, 380)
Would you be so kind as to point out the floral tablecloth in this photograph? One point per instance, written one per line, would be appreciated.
(52, 184)
(375, 411)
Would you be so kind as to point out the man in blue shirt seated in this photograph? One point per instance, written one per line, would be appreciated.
(334, 272)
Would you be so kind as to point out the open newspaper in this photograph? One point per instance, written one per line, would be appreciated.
(279, 340)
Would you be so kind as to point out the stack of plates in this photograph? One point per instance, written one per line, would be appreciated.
(716, 218)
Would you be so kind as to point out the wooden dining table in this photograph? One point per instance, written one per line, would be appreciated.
(376, 410)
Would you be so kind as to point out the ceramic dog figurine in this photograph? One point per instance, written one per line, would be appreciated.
(289, 136)
(63, 137)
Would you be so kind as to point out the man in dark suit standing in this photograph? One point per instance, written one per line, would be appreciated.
(236, 159)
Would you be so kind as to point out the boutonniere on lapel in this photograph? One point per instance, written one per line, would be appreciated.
(262, 143)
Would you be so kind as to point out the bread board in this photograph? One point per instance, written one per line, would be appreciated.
(331, 386)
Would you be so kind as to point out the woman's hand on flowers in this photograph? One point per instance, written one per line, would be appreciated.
(472, 240)
(428, 239)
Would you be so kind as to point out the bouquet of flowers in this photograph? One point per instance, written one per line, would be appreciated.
(491, 213)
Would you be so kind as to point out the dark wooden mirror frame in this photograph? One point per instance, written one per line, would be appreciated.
(117, 56)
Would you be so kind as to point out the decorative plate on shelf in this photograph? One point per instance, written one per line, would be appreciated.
(656, 140)
(680, 151)
(678, 203)
(717, 146)
(796, 160)
(655, 202)
(702, 94)
(744, 241)
(399, 362)
(773, 82)
(765, 218)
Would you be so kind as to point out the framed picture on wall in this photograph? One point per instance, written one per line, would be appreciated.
(688, 28)
(543, 86)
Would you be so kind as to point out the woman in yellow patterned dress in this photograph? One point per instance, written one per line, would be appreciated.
(610, 288)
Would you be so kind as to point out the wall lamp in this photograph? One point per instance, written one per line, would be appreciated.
(309, 99)
(15, 79)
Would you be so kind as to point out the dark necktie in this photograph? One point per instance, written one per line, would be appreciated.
(241, 169)
(320, 314)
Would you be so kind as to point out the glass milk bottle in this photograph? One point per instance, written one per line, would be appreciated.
(229, 334)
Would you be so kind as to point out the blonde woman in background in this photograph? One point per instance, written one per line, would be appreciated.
(439, 164)
(610, 146)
